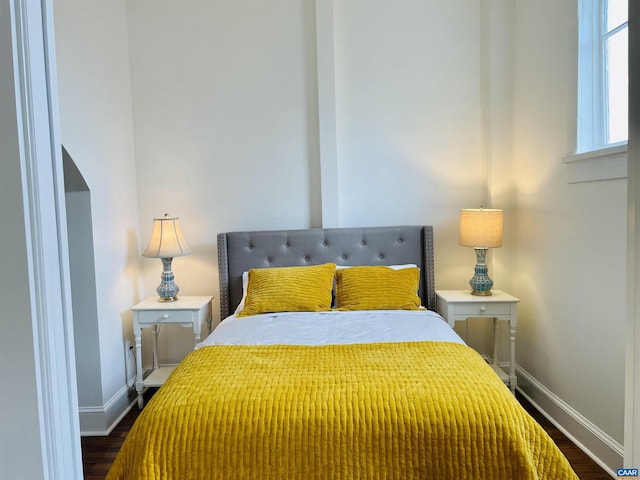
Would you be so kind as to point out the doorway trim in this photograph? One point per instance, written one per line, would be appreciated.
(37, 121)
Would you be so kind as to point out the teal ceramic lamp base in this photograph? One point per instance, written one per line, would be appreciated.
(481, 283)
(167, 290)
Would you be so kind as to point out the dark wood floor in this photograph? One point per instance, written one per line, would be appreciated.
(99, 452)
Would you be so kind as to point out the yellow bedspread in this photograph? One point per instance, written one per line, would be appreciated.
(420, 410)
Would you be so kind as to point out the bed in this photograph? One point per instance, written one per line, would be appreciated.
(331, 363)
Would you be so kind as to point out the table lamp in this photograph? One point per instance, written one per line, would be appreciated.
(167, 242)
(481, 228)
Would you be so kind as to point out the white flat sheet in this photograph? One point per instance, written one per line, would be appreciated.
(324, 328)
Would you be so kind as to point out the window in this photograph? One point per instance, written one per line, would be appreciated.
(602, 74)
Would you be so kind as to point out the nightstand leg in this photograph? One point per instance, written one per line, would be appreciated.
(495, 341)
(156, 331)
(139, 383)
(513, 380)
(196, 333)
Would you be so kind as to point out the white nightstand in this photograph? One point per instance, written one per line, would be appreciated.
(459, 305)
(150, 313)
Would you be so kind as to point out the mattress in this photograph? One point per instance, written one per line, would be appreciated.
(372, 409)
(332, 327)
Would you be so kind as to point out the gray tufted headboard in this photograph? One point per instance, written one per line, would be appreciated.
(240, 251)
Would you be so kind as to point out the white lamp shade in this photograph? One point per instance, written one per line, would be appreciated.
(481, 227)
(167, 240)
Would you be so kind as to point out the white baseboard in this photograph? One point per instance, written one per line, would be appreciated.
(100, 421)
(598, 445)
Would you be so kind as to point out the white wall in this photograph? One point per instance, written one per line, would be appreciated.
(225, 127)
(571, 238)
(97, 131)
(83, 285)
(408, 114)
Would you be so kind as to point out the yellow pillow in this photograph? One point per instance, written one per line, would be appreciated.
(289, 289)
(377, 288)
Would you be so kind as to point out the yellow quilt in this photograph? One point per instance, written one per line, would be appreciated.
(421, 410)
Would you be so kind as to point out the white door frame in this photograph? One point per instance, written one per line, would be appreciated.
(40, 160)
(632, 376)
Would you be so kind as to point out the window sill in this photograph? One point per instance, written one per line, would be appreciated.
(604, 164)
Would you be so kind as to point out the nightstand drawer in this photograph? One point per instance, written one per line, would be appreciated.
(165, 316)
(482, 308)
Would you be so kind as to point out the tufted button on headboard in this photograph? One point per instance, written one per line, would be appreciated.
(240, 251)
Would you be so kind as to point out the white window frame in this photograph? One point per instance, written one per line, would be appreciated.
(594, 159)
